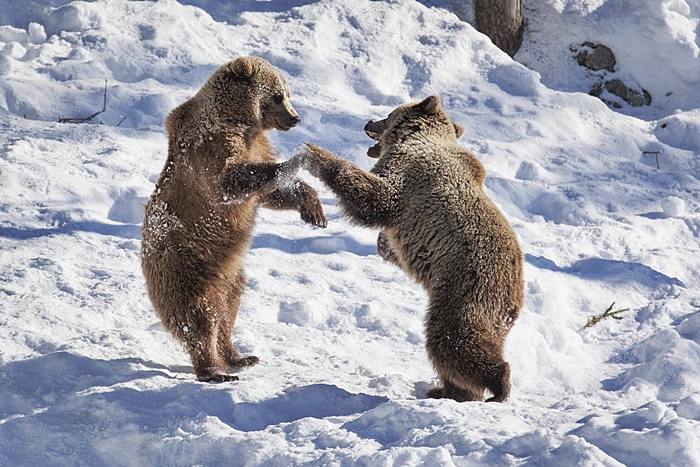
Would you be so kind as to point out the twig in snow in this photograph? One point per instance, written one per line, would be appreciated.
(606, 314)
(656, 153)
(86, 119)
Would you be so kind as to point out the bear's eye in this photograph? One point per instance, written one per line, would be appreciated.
(278, 98)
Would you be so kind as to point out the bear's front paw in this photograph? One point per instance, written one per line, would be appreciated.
(287, 171)
(312, 158)
(311, 211)
(313, 214)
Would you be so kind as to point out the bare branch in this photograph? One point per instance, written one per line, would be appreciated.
(87, 119)
(656, 153)
(606, 314)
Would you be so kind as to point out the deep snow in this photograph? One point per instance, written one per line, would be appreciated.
(88, 376)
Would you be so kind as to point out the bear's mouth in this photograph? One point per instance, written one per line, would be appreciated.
(374, 130)
(374, 151)
(373, 135)
(286, 124)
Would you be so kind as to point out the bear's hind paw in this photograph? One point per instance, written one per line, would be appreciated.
(218, 378)
(244, 362)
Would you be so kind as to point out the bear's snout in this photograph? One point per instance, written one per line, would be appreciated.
(287, 122)
(374, 129)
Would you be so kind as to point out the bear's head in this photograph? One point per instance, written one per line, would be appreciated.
(419, 120)
(249, 91)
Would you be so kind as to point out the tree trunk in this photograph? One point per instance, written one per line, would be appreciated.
(502, 21)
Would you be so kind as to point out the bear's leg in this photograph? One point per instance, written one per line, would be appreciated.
(497, 380)
(201, 341)
(454, 369)
(452, 391)
(228, 352)
(462, 356)
(435, 393)
(365, 197)
(226, 321)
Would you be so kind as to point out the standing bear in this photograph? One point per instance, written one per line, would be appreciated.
(199, 220)
(426, 193)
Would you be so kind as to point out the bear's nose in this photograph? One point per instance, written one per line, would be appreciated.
(294, 120)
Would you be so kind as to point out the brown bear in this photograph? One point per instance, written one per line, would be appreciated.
(426, 193)
(199, 220)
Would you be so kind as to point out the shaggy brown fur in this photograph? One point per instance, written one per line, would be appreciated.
(199, 221)
(425, 192)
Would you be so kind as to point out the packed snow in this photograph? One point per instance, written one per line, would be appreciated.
(604, 199)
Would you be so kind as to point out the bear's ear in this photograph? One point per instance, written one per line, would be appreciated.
(459, 130)
(430, 104)
(242, 67)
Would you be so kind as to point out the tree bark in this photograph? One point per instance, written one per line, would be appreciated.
(502, 21)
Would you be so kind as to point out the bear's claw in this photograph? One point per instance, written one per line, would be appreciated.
(218, 378)
(244, 362)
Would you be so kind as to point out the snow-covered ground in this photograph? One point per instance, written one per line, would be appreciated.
(89, 377)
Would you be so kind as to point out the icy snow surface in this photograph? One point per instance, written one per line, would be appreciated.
(89, 377)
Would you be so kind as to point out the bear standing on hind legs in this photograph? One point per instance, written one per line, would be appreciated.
(199, 221)
(426, 193)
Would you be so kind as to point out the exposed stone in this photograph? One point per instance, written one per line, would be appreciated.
(596, 57)
(596, 90)
(600, 59)
(627, 94)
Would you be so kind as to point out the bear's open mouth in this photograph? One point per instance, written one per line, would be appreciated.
(374, 130)
(372, 134)
(374, 151)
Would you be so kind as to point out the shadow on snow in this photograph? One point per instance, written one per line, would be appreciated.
(611, 271)
(61, 398)
(320, 245)
(229, 11)
(126, 231)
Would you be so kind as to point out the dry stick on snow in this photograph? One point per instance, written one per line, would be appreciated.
(656, 153)
(606, 314)
(86, 119)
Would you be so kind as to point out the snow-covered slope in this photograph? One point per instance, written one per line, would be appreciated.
(88, 376)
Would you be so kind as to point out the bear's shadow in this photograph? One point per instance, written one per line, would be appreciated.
(319, 245)
(63, 392)
(126, 231)
(229, 11)
(314, 401)
(608, 270)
